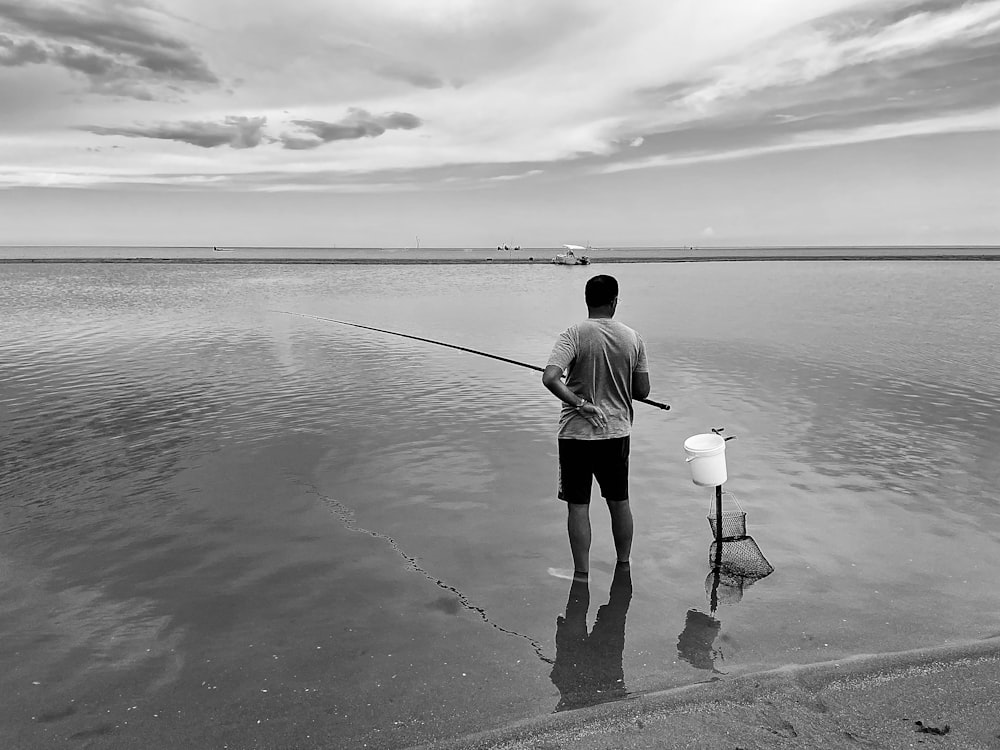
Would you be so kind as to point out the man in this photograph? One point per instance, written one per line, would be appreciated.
(604, 362)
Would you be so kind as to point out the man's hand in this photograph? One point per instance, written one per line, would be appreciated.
(594, 414)
(552, 379)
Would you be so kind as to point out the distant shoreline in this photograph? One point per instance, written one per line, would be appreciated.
(993, 255)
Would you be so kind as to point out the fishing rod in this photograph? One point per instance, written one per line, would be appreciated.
(657, 404)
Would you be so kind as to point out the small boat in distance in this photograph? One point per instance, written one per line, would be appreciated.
(570, 258)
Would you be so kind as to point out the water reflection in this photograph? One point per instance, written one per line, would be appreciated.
(736, 562)
(588, 667)
(150, 413)
(904, 432)
(696, 643)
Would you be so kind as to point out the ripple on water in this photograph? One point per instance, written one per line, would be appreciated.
(160, 428)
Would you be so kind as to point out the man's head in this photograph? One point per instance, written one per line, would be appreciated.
(601, 291)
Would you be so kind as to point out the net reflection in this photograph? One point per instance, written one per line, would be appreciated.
(588, 667)
(736, 564)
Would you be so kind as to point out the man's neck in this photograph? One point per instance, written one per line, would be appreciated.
(605, 312)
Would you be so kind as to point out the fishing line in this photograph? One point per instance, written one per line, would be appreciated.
(657, 404)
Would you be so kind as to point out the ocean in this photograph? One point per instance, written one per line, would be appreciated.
(223, 522)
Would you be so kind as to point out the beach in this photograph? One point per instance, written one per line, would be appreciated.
(947, 696)
(226, 522)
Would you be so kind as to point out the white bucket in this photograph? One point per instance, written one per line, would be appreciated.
(707, 459)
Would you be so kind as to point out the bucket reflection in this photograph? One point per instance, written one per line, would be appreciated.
(696, 643)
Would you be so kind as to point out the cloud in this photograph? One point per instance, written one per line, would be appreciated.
(410, 75)
(110, 43)
(241, 132)
(844, 41)
(866, 73)
(358, 124)
(510, 177)
(14, 52)
(969, 122)
(235, 132)
(684, 82)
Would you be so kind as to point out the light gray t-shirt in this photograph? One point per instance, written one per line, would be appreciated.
(598, 357)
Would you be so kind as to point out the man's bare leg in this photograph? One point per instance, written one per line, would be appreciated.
(621, 528)
(578, 524)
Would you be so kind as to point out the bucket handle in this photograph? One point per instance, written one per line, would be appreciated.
(689, 459)
(719, 430)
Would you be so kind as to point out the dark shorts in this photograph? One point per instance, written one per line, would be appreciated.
(580, 461)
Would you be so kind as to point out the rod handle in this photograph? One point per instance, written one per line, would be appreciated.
(657, 404)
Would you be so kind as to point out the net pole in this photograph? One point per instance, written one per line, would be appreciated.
(718, 525)
(717, 562)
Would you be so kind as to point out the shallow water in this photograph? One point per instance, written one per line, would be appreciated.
(222, 523)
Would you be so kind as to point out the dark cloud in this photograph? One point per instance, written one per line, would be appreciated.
(88, 63)
(358, 124)
(248, 132)
(14, 53)
(235, 132)
(296, 143)
(413, 77)
(127, 88)
(107, 44)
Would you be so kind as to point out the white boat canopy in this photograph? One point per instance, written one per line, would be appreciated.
(574, 247)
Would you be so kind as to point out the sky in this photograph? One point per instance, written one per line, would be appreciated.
(475, 123)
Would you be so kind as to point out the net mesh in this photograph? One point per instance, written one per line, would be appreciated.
(740, 558)
(734, 519)
(737, 564)
(735, 559)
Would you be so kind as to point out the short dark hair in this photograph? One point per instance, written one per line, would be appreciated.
(601, 290)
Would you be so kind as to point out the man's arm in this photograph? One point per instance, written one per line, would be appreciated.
(552, 379)
(640, 384)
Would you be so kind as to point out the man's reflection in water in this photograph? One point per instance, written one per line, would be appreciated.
(588, 668)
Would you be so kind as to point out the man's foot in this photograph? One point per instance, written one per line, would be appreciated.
(569, 575)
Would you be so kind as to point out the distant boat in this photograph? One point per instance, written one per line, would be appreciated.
(570, 258)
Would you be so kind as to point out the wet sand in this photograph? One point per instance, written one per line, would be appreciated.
(945, 697)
